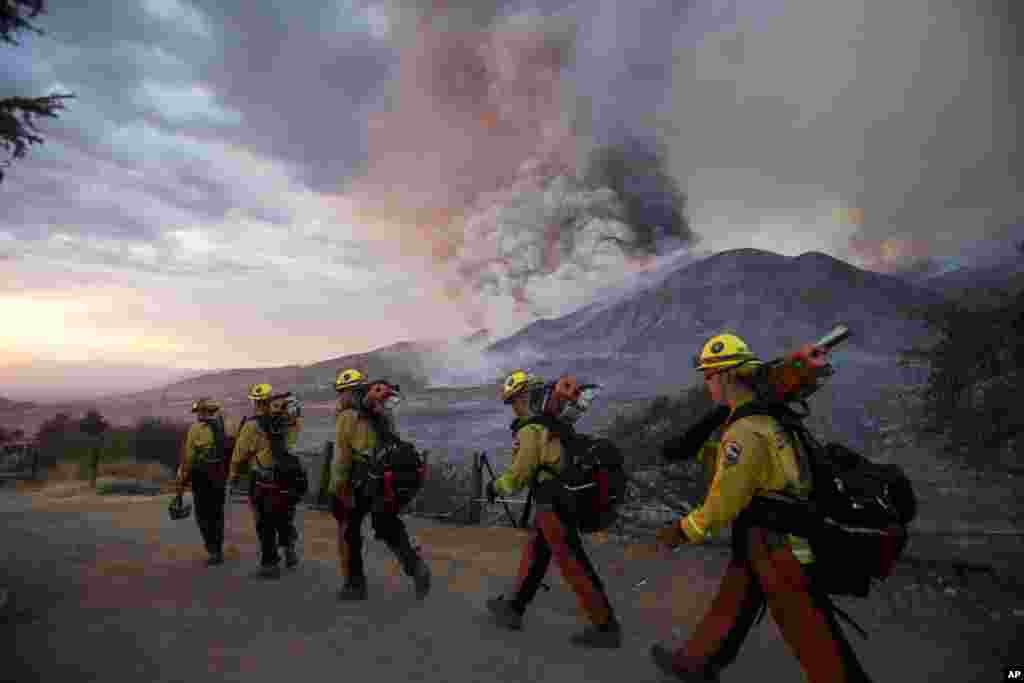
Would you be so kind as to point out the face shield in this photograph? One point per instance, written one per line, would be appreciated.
(573, 410)
(383, 398)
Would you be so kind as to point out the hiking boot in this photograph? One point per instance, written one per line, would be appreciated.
(215, 558)
(353, 592)
(604, 636)
(665, 661)
(505, 613)
(291, 558)
(270, 571)
(422, 580)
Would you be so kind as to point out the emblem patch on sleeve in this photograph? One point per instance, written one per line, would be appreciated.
(732, 452)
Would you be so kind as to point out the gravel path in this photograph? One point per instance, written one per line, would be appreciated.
(112, 591)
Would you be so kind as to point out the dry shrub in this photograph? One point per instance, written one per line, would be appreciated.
(143, 471)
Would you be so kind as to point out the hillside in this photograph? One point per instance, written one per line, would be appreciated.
(767, 297)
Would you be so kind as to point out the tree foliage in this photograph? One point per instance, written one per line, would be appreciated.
(93, 423)
(975, 368)
(20, 116)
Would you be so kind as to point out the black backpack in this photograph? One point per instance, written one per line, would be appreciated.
(593, 476)
(856, 518)
(400, 471)
(219, 455)
(288, 471)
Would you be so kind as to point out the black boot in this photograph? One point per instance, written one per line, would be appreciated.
(353, 591)
(269, 571)
(506, 613)
(291, 559)
(664, 660)
(216, 557)
(412, 565)
(422, 579)
(607, 635)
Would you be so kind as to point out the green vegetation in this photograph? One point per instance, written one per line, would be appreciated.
(641, 433)
(151, 440)
(975, 368)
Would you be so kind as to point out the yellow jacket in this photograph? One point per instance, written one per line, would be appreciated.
(756, 455)
(354, 440)
(197, 450)
(253, 444)
(534, 446)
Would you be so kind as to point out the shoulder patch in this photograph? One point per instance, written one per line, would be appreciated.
(732, 451)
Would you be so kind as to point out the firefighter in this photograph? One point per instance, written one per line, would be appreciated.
(365, 421)
(555, 533)
(270, 503)
(204, 466)
(291, 408)
(766, 568)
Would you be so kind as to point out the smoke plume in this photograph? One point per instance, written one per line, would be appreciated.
(478, 170)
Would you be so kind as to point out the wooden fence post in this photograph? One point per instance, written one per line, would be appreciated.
(475, 506)
(417, 502)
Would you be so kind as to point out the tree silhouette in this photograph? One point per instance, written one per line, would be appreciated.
(19, 115)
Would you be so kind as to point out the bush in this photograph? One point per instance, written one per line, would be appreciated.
(641, 433)
(151, 440)
(159, 440)
(975, 367)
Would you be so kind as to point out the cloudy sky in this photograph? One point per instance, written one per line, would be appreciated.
(264, 182)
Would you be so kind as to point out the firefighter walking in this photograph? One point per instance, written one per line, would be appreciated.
(767, 568)
(204, 467)
(555, 535)
(261, 444)
(365, 421)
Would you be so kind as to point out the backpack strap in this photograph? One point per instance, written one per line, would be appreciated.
(564, 432)
(793, 422)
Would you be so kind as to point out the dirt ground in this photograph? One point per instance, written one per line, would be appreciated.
(108, 588)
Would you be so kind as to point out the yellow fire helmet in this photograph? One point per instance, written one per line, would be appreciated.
(724, 351)
(349, 379)
(517, 383)
(205, 405)
(260, 392)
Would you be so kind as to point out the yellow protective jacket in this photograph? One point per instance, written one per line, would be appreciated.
(197, 449)
(534, 446)
(756, 455)
(354, 441)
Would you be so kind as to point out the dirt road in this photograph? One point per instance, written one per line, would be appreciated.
(112, 590)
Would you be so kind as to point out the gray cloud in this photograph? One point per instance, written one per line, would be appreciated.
(900, 109)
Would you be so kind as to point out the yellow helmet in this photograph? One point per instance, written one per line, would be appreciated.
(518, 383)
(724, 351)
(205, 405)
(260, 392)
(348, 379)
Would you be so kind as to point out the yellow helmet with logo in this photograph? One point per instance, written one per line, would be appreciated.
(260, 392)
(724, 351)
(517, 384)
(348, 379)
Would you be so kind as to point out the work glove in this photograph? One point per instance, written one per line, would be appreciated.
(671, 535)
(490, 492)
